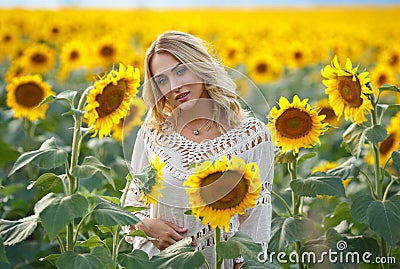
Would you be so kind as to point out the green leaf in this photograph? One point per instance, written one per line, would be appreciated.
(48, 156)
(239, 244)
(359, 208)
(396, 160)
(52, 258)
(387, 87)
(3, 256)
(67, 95)
(90, 166)
(286, 157)
(98, 258)
(141, 233)
(48, 182)
(384, 218)
(108, 229)
(376, 134)
(342, 212)
(92, 242)
(112, 199)
(179, 255)
(46, 100)
(314, 186)
(136, 259)
(348, 169)
(8, 154)
(354, 138)
(137, 208)
(47, 200)
(109, 214)
(306, 156)
(285, 231)
(362, 244)
(56, 216)
(15, 231)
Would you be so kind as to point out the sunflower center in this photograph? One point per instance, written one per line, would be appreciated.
(223, 190)
(29, 94)
(262, 68)
(382, 79)
(38, 58)
(298, 55)
(74, 55)
(328, 112)
(387, 144)
(294, 123)
(107, 51)
(55, 30)
(111, 98)
(7, 38)
(394, 60)
(232, 54)
(350, 90)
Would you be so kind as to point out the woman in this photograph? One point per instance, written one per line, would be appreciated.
(194, 116)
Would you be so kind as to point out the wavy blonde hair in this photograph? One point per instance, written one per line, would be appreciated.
(192, 52)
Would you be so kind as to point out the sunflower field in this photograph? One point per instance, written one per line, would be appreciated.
(323, 79)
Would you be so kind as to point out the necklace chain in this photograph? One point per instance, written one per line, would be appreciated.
(197, 131)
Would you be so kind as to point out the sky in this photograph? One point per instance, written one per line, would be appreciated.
(54, 4)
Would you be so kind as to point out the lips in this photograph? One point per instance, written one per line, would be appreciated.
(182, 96)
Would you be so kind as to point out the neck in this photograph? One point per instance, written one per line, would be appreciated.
(202, 110)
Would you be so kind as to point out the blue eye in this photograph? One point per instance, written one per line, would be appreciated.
(181, 71)
(162, 81)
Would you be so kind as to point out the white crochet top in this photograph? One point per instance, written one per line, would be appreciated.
(250, 141)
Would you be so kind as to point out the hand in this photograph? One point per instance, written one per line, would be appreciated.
(166, 232)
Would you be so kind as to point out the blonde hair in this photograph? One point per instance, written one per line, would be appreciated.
(190, 51)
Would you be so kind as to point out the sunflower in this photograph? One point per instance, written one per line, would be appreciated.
(106, 51)
(72, 56)
(295, 125)
(219, 190)
(108, 101)
(347, 91)
(150, 181)
(264, 67)
(391, 143)
(232, 52)
(25, 93)
(390, 56)
(383, 74)
(327, 110)
(38, 58)
(133, 118)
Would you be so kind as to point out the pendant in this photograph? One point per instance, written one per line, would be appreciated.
(196, 132)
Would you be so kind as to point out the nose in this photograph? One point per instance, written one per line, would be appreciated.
(175, 84)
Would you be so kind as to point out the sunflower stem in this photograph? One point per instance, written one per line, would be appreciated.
(75, 150)
(124, 194)
(296, 200)
(60, 243)
(375, 151)
(218, 260)
(283, 202)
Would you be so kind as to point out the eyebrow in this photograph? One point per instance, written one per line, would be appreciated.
(172, 69)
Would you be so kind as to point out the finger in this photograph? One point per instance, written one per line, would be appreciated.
(174, 236)
(177, 228)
